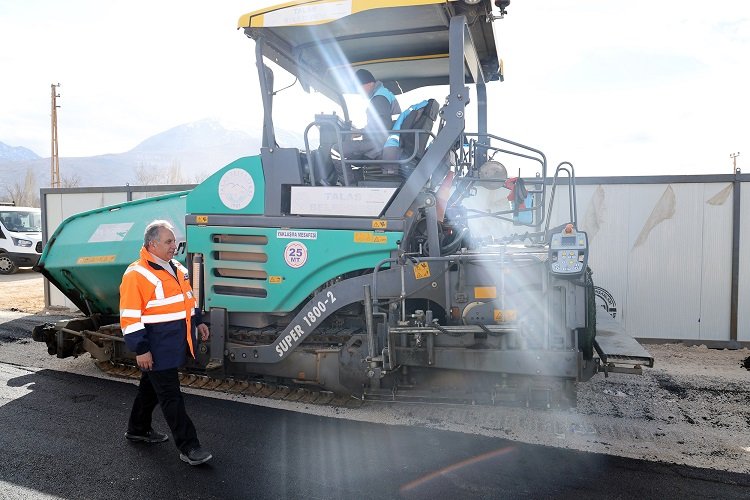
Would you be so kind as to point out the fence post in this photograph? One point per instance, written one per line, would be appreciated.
(734, 309)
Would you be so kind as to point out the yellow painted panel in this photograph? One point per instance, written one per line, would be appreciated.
(369, 237)
(363, 237)
(485, 292)
(96, 259)
(303, 12)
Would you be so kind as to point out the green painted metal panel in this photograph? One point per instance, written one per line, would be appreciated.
(275, 269)
(238, 188)
(88, 253)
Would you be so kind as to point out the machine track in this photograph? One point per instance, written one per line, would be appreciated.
(527, 394)
(256, 389)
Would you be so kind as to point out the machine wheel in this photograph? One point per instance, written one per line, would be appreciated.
(7, 266)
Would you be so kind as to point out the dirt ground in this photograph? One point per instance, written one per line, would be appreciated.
(22, 291)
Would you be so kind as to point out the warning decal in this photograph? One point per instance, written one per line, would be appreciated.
(422, 271)
(295, 254)
(504, 315)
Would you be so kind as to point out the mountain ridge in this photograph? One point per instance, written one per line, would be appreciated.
(16, 153)
(193, 150)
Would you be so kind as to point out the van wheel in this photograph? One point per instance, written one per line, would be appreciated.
(7, 266)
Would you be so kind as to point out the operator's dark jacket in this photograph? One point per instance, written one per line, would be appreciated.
(381, 110)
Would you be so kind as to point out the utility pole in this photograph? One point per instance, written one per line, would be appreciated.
(54, 178)
(734, 156)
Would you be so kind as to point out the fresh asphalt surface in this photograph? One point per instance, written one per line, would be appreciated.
(61, 435)
(65, 438)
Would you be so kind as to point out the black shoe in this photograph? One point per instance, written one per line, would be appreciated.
(150, 437)
(196, 456)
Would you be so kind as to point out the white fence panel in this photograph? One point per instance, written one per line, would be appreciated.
(743, 299)
(716, 269)
(661, 255)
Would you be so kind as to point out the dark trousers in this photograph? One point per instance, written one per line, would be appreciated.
(365, 149)
(163, 387)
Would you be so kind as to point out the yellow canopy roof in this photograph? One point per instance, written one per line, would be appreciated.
(403, 43)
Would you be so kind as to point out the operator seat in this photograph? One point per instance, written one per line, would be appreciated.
(321, 161)
(403, 146)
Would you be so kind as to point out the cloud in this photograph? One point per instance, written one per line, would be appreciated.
(736, 31)
(641, 87)
(625, 68)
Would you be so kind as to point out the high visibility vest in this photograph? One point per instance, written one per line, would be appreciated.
(152, 298)
(380, 90)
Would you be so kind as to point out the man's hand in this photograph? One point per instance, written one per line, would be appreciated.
(145, 361)
(203, 330)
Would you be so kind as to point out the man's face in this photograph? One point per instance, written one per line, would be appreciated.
(367, 88)
(165, 246)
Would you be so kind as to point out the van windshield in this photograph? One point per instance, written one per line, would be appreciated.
(20, 221)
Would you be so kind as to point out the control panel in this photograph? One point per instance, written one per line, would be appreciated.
(330, 126)
(568, 252)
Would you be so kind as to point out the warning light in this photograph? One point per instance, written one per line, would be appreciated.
(568, 228)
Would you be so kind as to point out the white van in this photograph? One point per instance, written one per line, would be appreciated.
(20, 237)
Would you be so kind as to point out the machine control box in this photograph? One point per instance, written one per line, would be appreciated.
(568, 253)
(330, 123)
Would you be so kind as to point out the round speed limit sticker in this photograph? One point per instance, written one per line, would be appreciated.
(295, 254)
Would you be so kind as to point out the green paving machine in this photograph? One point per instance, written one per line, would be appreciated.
(444, 272)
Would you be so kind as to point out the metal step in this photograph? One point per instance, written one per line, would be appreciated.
(616, 349)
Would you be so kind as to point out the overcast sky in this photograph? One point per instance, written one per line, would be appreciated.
(617, 88)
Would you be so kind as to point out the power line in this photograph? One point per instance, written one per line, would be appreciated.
(54, 178)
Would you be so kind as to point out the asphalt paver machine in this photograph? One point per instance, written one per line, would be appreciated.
(444, 272)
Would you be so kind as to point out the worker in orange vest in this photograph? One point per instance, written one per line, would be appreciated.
(157, 311)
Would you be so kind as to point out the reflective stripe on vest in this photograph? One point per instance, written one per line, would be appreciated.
(180, 267)
(167, 300)
(163, 318)
(133, 328)
(159, 291)
(130, 313)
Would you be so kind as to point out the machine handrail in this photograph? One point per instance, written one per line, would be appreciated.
(573, 204)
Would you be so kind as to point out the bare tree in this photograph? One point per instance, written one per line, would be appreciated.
(199, 177)
(174, 173)
(146, 175)
(30, 189)
(24, 194)
(149, 174)
(69, 181)
(13, 192)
